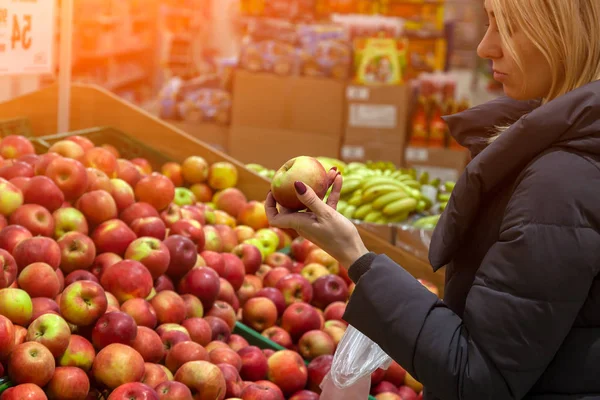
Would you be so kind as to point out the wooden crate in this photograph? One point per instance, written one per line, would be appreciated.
(92, 106)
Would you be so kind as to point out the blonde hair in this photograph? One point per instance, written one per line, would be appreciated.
(566, 32)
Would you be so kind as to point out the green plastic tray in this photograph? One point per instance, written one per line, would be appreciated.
(258, 340)
(5, 383)
(128, 146)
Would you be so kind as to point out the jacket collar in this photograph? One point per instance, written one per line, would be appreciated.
(570, 121)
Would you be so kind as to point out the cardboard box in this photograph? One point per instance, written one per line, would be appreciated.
(362, 150)
(446, 164)
(377, 113)
(215, 135)
(288, 103)
(273, 147)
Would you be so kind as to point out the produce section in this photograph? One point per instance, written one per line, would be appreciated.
(227, 231)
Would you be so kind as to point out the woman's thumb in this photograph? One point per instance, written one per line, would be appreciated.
(309, 198)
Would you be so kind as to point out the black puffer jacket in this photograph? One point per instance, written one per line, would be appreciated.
(521, 241)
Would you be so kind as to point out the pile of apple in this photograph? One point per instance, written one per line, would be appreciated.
(118, 282)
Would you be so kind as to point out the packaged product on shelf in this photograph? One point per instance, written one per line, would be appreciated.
(331, 59)
(421, 16)
(269, 56)
(425, 55)
(380, 61)
(361, 26)
(329, 7)
(288, 9)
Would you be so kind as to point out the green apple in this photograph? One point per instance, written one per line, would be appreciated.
(259, 245)
(184, 197)
(268, 235)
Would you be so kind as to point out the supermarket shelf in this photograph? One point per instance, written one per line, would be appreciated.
(114, 53)
(92, 106)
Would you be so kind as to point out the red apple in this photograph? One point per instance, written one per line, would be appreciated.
(43, 305)
(230, 200)
(69, 175)
(268, 352)
(20, 334)
(253, 215)
(103, 261)
(172, 170)
(143, 165)
(77, 252)
(252, 284)
(35, 218)
(141, 311)
(128, 172)
(288, 371)
(149, 344)
(254, 364)
(225, 355)
(163, 282)
(7, 337)
(223, 310)
(31, 362)
(297, 267)
(171, 215)
(82, 141)
(152, 253)
(317, 370)
(305, 395)
(122, 194)
(300, 318)
(295, 288)
(219, 328)
(301, 248)
(183, 255)
(329, 289)
(257, 391)
(97, 180)
(133, 391)
(69, 219)
(98, 206)
(199, 330)
(43, 191)
(113, 236)
(250, 255)
(138, 210)
(202, 191)
(335, 311)
(171, 338)
(237, 342)
(11, 198)
(149, 226)
(243, 233)
(8, 269)
(154, 375)
(395, 374)
(299, 169)
(193, 306)
(259, 313)
(39, 280)
(226, 292)
(214, 260)
(100, 159)
(117, 364)
(205, 380)
(68, 383)
(384, 387)
(15, 146)
(114, 327)
(404, 393)
(233, 382)
(83, 302)
(127, 279)
(27, 391)
(315, 343)
(274, 275)
(228, 237)
(80, 275)
(21, 183)
(184, 352)
(202, 282)
(11, 236)
(279, 336)
(80, 353)
(233, 270)
(156, 190)
(194, 169)
(172, 390)
(169, 307)
(279, 260)
(377, 376)
(222, 175)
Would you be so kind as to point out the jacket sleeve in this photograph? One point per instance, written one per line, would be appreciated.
(523, 302)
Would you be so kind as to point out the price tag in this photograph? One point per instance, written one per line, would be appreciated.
(27, 36)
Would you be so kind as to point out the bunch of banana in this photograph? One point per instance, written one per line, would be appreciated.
(444, 194)
(262, 171)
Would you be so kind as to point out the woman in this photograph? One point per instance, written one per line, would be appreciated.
(521, 234)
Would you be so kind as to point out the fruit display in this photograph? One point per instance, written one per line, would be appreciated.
(122, 282)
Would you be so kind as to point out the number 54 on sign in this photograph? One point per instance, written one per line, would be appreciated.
(27, 36)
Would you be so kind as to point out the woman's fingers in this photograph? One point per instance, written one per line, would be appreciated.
(334, 196)
(331, 176)
(309, 198)
(271, 207)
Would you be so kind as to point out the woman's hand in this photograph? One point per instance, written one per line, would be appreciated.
(320, 223)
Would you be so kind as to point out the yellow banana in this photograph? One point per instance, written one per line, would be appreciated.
(350, 185)
(413, 184)
(412, 192)
(397, 218)
(362, 211)
(376, 191)
(381, 220)
(386, 199)
(444, 197)
(409, 204)
(405, 177)
(373, 216)
(369, 183)
(355, 200)
(349, 211)
(421, 206)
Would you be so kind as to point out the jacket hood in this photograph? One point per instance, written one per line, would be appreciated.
(571, 121)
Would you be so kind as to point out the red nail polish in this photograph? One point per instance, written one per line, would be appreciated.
(333, 169)
(300, 187)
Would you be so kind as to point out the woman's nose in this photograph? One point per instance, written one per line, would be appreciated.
(490, 46)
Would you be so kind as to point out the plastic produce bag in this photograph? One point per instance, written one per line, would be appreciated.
(355, 359)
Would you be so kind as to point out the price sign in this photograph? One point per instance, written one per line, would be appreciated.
(27, 36)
